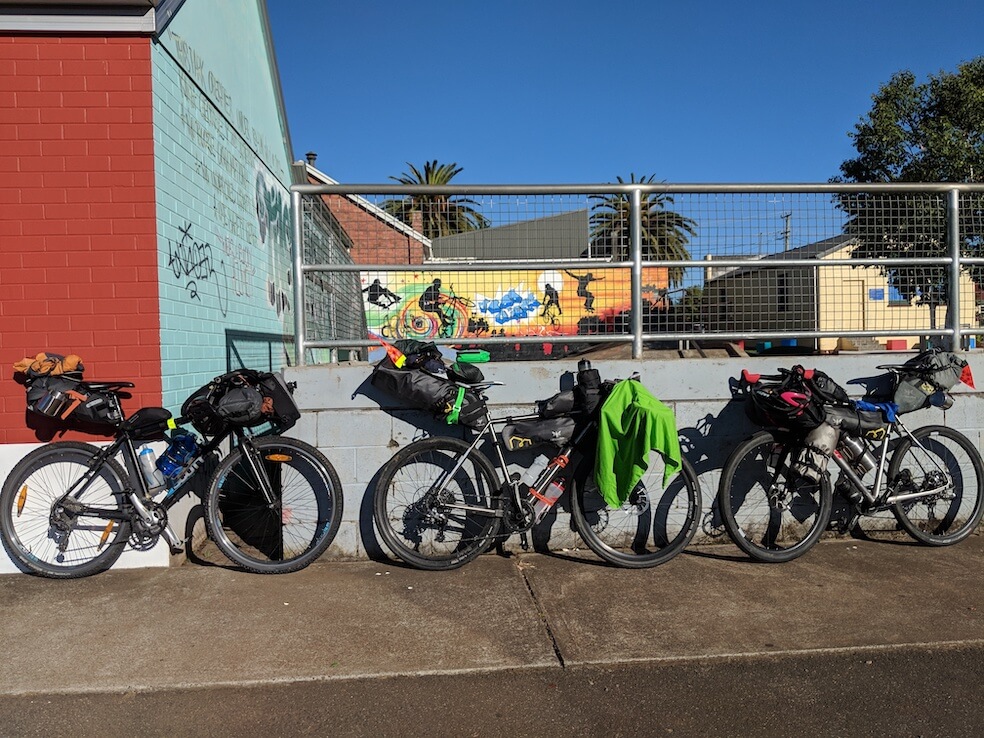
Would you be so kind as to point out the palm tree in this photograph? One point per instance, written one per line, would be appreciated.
(435, 215)
(665, 233)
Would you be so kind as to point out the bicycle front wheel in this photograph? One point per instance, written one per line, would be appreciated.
(58, 537)
(293, 530)
(944, 463)
(770, 513)
(651, 527)
(431, 514)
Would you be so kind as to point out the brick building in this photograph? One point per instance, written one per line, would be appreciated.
(144, 203)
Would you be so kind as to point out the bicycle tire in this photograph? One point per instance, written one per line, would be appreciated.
(416, 526)
(297, 530)
(640, 534)
(26, 505)
(770, 514)
(963, 507)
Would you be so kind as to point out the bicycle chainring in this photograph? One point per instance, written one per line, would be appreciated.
(143, 537)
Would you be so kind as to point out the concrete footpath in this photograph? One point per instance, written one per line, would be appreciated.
(199, 627)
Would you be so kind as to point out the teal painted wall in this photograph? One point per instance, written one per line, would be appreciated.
(222, 172)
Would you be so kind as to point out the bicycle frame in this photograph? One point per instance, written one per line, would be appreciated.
(515, 487)
(138, 492)
(878, 496)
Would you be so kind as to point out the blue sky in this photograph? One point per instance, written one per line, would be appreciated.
(566, 91)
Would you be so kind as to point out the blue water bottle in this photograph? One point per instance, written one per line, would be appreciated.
(182, 448)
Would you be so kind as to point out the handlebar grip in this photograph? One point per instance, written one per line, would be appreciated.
(750, 377)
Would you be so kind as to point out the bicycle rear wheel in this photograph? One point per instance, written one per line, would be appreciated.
(83, 535)
(771, 514)
(292, 532)
(420, 499)
(651, 527)
(948, 462)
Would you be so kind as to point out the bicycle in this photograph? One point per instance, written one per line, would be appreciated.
(551, 315)
(272, 505)
(440, 501)
(776, 495)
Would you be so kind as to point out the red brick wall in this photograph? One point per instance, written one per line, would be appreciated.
(373, 240)
(78, 246)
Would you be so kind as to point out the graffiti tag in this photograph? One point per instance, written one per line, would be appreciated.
(192, 261)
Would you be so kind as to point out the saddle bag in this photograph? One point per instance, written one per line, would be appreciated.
(61, 397)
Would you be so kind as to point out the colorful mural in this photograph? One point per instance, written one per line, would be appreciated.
(552, 302)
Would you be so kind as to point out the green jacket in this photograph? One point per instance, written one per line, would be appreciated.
(632, 424)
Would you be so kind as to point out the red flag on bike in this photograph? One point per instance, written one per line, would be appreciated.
(396, 356)
(967, 377)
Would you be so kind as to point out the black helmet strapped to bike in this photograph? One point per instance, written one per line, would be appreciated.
(789, 404)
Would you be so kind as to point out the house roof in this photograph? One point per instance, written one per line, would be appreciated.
(373, 210)
(561, 236)
(86, 16)
(816, 250)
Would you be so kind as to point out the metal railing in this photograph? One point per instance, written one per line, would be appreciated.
(819, 263)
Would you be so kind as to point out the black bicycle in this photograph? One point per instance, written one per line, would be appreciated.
(273, 504)
(440, 502)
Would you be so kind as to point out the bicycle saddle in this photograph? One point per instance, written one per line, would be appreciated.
(107, 386)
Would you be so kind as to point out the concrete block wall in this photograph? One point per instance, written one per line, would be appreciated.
(360, 429)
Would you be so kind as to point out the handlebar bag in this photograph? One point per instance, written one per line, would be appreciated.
(422, 390)
(244, 397)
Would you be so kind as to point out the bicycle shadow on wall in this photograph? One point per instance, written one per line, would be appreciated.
(426, 426)
(707, 445)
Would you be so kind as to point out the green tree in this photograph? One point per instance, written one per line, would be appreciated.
(918, 132)
(435, 215)
(665, 233)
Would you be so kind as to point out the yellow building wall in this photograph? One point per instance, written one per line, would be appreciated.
(846, 302)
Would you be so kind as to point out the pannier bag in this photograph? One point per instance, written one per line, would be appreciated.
(244, 398)
(417, 387)
(529, 433)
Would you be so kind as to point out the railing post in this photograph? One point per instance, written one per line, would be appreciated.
(953, 248)
(297, 254)
(635, 235)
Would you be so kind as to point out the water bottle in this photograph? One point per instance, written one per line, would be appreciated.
(530, 476)
(857, 453)
(545, 501)
(148, 467)
(182, 448)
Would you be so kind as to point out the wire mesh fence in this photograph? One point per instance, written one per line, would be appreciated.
(821, 267)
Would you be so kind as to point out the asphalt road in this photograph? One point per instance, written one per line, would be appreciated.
(926, 691)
